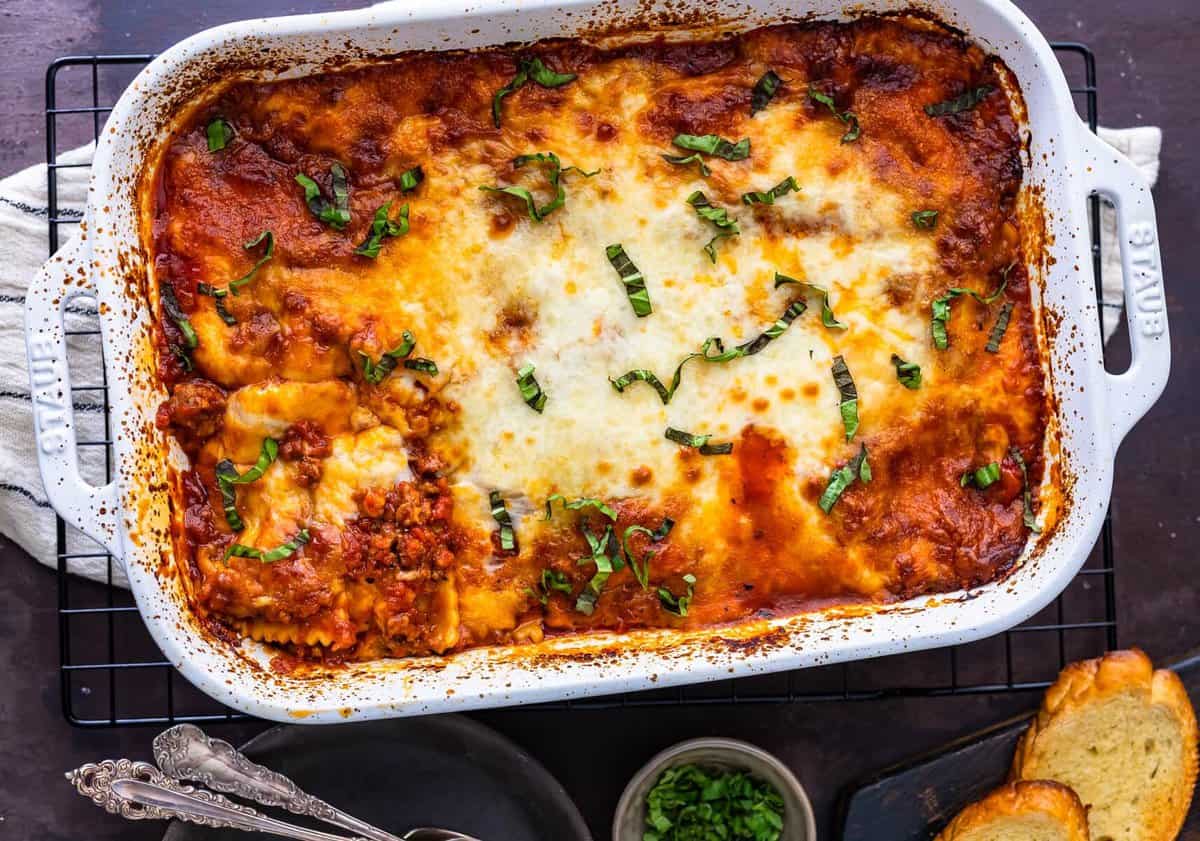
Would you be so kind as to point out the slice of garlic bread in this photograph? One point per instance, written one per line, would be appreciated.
(1029, 810)
(1123, 736)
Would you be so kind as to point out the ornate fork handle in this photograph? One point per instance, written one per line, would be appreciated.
(186, 752)
(138, 790)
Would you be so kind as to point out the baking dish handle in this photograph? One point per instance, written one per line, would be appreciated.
(1132, 393)
(93, 510)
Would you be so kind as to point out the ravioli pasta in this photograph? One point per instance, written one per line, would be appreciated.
(485, 334)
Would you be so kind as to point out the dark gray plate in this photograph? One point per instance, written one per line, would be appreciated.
(445, 771)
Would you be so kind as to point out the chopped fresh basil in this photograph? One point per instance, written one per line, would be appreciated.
(222, 311)
(849, 411)
(635, 284)
(528, 69)
(787, 185)
(981, 477)
(219, 293)
(858, 468)
(678, 605)
(823, 98)
(849, 118)
(375, 372)
(218, 296)
(182, 355)
(228, 477)
(341, 194)
(312, 194)
(718, 217)
(848, 394)
(265, 236)
(963, 102)
(382, 226)
(170, 305)
(713, 350)
(579, 504)
(283, 551)
(585, 602)
(544, 76)
(700, 442)
(1029, 518)
(508, 535)
(420, 363)
(940, 318)
(925, 218)
(516, 83)
(854, 131)
(606, 565)
(642, 375)
(712, 144)
(531, 392)
(335, 214)
(764, 91)
(552, 581)
(706, 352)
(710, 247)
(698, 803)
(557, 171)
(535, 213)
(237, 550)
(410, 179)
(219, 132)
(267, 454)
(999, 328)
(908, 373)
(828, 319)
(641, 569)
(684, 160)
(794, 310)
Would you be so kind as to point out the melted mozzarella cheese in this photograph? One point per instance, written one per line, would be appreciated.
(844, 230)
(274, 507)
(266, 410)
(590, 437)
(374, 458)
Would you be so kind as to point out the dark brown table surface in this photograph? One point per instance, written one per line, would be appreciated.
(1148, 65)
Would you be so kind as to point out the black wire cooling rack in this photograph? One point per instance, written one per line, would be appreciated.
(113, 674)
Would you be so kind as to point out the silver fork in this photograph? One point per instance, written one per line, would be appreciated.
(138, 790)
(186, 752)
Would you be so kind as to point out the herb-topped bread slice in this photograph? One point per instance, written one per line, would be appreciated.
(1033, 810)
(1123, 736)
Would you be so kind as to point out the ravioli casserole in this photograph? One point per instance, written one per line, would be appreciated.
(477, 348)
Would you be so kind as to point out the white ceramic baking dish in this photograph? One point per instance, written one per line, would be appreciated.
(131, 516)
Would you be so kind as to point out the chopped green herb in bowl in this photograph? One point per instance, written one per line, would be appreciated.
(691, 803)
(714, 789)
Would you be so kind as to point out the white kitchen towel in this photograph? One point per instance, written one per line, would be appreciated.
(1142, 146)
(26, 516)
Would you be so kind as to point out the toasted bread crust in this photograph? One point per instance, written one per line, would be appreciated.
(1019, 799)
(1091, 681)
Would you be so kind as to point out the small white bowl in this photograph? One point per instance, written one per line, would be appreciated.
(629, 822)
